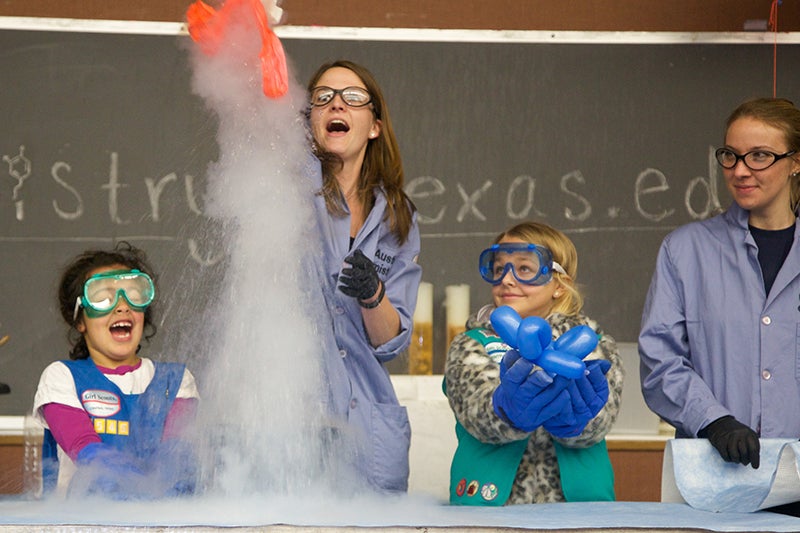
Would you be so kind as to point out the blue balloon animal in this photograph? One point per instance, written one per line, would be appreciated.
(532, 337)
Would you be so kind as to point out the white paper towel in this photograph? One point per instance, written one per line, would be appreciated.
(694, 473)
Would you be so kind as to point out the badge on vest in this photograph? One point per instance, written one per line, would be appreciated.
(111, 426)
(489, 491)
(100, 403)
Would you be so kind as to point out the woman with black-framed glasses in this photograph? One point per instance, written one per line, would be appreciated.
(371, 244)
(719, 344)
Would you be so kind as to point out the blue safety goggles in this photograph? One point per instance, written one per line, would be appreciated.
(101, 292)
(530, 264)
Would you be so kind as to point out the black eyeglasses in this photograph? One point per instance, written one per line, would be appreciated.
(755, 160)
(352, 96)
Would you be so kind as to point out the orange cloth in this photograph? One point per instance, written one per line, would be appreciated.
(207, 28)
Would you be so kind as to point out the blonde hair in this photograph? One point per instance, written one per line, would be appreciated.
(781, 114)
(564, 253)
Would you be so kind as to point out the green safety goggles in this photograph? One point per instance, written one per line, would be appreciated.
(101, 292)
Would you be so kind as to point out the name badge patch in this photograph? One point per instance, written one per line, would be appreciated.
(100, 403)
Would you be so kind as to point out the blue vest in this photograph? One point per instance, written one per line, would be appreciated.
(133, 422)
(483, 474)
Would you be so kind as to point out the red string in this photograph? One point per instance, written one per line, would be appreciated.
(773, 24)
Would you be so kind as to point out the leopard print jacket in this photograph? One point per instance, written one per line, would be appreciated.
(471, 377)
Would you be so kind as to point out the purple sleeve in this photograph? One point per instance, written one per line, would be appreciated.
(181, 415)
(71, 427)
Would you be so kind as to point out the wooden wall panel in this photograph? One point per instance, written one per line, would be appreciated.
(637, 473)
(12, 453)
(583, 15)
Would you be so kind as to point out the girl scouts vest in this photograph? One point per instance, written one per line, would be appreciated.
(483, 474)
(134, 422)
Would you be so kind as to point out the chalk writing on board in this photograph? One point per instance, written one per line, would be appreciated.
(520, 197)
(19, 168)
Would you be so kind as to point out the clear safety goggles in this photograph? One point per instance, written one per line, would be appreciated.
(101, 292)
(352, 96)
(530, 264)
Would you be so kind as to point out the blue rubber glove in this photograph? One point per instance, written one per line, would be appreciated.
(594, 386)
(104, 470)
(588, 395)
(176, 465)
(507, 361)
(524, 398)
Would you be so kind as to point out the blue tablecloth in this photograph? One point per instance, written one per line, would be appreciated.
(411, 512)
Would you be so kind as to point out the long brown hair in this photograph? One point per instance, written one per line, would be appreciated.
(382, 165)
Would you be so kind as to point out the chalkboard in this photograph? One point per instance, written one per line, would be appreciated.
(102, 139)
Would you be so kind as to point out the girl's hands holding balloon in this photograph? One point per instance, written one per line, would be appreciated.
(525, 398)
(588, 395)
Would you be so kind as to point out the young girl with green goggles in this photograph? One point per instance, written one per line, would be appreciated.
(102, 291)
(116, 424)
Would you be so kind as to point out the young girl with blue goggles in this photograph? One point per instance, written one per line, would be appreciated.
(531, 264)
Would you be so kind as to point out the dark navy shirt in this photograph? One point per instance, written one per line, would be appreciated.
(773, 247)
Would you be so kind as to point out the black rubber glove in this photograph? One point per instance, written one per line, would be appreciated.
(734, 441)
(361, 280)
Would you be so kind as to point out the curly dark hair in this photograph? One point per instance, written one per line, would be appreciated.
(77, 272)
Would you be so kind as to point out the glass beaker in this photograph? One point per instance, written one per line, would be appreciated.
(33, 434)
